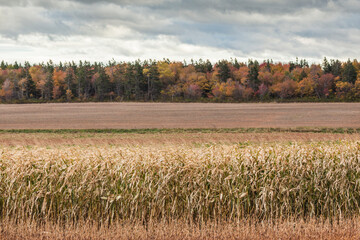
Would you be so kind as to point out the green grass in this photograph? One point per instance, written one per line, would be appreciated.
(189, 130)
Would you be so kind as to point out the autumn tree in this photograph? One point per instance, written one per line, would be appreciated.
(234, 90)
(59, 83)
(39, 76)
(356, 88)
(306, 87)
(204, 83)
(14, 77)
(265, 78)
(241, 75)
(193, 92)
(343, 90)
(166, 75)
(286, 89)
(155, 80)
(219, 90)
(263, 91)
(323, 87)
(6, 91)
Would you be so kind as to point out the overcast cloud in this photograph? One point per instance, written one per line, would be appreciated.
(40, 30)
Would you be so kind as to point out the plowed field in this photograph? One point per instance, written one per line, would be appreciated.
(177, 115)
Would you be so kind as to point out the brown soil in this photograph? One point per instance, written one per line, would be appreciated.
(177, 115)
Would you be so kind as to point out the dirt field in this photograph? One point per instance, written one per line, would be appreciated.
(177, 115)
(170, 115)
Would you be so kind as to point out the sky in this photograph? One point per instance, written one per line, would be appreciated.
(126, 30)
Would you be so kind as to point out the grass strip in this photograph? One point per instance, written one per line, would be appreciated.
(189, 130)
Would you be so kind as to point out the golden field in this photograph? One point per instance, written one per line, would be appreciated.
(180, 186)
(165, 139)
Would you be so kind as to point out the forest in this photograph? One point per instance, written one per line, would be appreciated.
(175, 81)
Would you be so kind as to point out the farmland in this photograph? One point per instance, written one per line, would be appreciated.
(283, 181)
(8, 139)
(210, 187)
(178, 115)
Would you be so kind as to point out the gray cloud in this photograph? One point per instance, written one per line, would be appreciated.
(275, 29)
(263, 6)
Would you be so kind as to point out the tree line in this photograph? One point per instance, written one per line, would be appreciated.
(165, 80)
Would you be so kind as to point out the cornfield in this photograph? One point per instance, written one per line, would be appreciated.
(194, 184)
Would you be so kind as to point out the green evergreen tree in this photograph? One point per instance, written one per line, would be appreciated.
(336, 67)
(31, 91)
(253, 79)
(236, 64)
(349, 73)
(16, 65)
(326, 66)
(3, 65)
(154, 82)
(224, 70)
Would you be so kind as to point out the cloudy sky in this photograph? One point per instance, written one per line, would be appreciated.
(39, 30)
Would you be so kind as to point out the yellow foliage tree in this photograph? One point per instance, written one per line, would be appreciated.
(306, 87)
